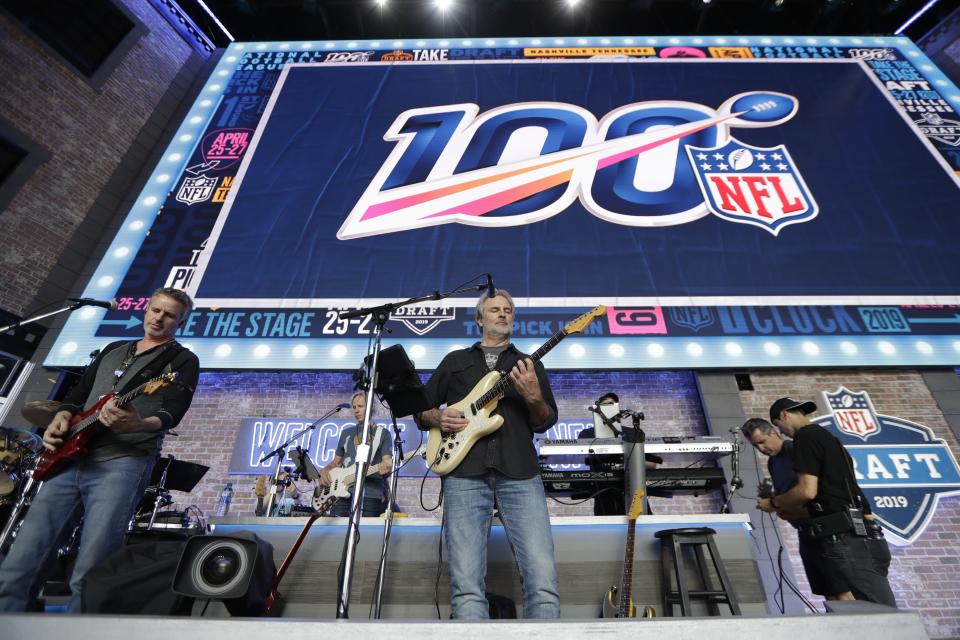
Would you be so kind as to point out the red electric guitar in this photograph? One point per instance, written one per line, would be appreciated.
(84, 426)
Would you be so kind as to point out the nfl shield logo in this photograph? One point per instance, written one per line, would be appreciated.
(693, 318)
(853, 413)
(194, 190)
(752, 185)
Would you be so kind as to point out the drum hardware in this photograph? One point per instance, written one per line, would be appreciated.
(18, 453)
(169, 474)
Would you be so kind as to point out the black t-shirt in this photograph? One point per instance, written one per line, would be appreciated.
(509, 449)
(818, 453)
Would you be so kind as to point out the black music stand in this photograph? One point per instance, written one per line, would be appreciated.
(305, 467)
(169, 474)
(177, 475)
(398, 382)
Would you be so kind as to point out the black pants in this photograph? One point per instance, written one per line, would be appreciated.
(841, 563)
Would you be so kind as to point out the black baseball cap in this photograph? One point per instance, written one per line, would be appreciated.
(789, 404)
(609, 394)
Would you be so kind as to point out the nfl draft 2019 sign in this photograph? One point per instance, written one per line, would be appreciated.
(806, 189)
(901, 467)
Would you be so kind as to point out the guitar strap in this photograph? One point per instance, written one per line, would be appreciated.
(155, 366)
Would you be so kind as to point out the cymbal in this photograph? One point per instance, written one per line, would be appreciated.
(13, 438)
(40, 412)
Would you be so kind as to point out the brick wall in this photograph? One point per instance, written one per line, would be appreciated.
(924, 576)
(669, 400)
(88, 131)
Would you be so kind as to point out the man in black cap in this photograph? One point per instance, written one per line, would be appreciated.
(847, 557)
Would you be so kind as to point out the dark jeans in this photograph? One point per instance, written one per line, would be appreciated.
(843, 562)
(373, 506)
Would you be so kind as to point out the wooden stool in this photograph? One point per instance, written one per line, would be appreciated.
(672, 542)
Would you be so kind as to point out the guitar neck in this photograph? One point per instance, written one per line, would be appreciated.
(505, 382)
(120, 401)
(626, 579)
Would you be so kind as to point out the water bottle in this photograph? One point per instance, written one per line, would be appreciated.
(226, 497)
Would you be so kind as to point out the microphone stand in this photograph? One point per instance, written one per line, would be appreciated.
(387, 519)
(281, 453)
(379, 314)
(42, 316)
(735, 481)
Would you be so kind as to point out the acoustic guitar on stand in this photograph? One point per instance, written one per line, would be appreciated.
(445, 451)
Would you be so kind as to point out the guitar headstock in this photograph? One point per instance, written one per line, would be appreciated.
(154, 385)
(582, 322)
(636, 506)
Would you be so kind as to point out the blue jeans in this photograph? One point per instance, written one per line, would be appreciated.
(108, 493)
(373, 506)
(467, 513)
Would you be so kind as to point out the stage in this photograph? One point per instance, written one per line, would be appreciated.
(589, 553)
(902, 626)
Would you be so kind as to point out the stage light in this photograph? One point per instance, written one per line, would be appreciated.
(149, 201)
(454, 347)
(576, 351)
(223, 350)
(261, 351)
(338, 351)
(381, 3)
(163, 177)
(418, 351)
(174, 157)
(88, 312)
(956, 345)
(810, 348)
(694, 349)
(924, 347)
(915, 17)
(655, 350)
(185, 138)
(105, 281)
(215, 19)
(733, 349)
(136, 225)
(616, 350)
(68, 348)
(886, 348)
(572, 3)
(300, 351)
(443, 5)
(771, 348)
(848, 348)
(122, 252)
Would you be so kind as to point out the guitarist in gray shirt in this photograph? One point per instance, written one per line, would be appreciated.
(501, 467)
(105, 485)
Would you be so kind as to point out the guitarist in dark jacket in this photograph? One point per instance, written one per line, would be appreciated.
(105, 485)
(501, 467)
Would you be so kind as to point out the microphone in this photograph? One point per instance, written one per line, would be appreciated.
(592, 408)
(491, 290)
(344, 405)
(90, 302)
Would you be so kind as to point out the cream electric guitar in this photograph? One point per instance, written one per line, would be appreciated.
(342, 479)
(445, 451)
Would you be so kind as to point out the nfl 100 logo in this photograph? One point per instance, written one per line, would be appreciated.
(901, 467)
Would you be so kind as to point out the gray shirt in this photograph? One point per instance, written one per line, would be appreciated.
(168, 403)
